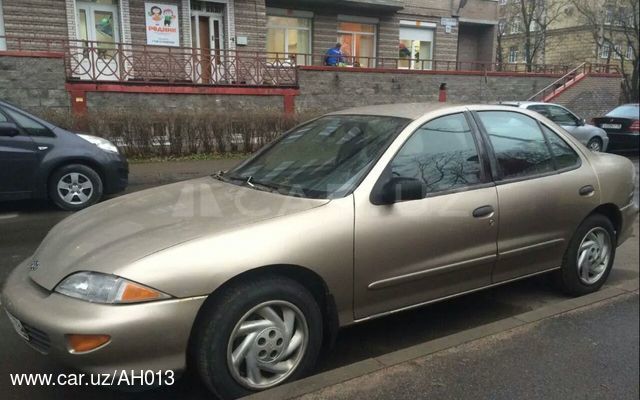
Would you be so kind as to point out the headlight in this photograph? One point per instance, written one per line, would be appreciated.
(103, 144)
(110, 289)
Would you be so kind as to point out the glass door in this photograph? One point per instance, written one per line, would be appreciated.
(98, 35)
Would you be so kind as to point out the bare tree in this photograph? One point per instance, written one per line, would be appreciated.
(534, 17)
(614, 26)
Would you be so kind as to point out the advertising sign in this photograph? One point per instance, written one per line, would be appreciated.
(162, 24)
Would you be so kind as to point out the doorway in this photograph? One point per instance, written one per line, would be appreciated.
(98, 35)
(207, 34)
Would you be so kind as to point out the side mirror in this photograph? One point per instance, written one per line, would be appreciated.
(9, 129)
(582, 122)
(398, 189)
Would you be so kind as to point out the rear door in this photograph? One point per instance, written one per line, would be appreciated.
(18, 162)
(544, 190)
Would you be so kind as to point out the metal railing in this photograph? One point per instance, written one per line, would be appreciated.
(569, 78)
(126, 62)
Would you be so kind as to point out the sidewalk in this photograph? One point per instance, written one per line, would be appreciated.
(589, 353)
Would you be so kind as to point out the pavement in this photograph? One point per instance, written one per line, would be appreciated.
(23, 225)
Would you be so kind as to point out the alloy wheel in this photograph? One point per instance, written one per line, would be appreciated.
(593, 255)
(267, 344)
(75, 188)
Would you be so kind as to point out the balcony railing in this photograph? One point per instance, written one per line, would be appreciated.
(124, 62)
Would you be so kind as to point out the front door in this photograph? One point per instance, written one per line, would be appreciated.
(96, 57)
(540, 180)
(18, 162)
(415, 251)
(208, 40)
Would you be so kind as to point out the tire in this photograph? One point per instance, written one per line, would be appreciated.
(595, 144)
(74, 187)
(213, 348)
(577, 279)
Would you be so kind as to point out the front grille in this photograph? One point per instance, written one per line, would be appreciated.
(38, 339)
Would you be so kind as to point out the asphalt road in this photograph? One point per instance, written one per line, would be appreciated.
(23, 225)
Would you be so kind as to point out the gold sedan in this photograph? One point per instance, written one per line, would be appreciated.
(351, 216)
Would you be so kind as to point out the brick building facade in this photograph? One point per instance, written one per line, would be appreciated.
(369, 30)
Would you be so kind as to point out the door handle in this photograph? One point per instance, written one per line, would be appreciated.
(587, 190)
(482, 212)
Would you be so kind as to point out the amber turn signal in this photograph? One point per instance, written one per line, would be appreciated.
(132, 292)
(84, 343)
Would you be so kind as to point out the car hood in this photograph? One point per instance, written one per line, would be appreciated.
(115, 233)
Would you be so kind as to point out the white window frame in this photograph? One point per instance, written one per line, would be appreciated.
(513, 55)
(604, 50)
(629, 55)
(617, 50)
(277, 12)
(502, 2)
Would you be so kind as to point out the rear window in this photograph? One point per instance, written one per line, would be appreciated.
(626, 111)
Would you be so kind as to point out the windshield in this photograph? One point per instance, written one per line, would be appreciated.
(625, 111)
(325, 158)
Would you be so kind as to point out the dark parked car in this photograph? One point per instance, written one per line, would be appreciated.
(623, 127)
(40, 160)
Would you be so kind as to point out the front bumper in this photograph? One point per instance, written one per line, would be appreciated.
(146, 336)
(116, 174)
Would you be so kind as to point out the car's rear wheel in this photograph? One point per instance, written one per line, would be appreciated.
(74, 187)
(589, 258)
(595, 144)
(257, 335)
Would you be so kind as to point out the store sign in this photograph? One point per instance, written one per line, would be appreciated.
(162, 24)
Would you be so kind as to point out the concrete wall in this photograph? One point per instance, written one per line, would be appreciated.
(333, 90)
(34, 83)
(97, 101)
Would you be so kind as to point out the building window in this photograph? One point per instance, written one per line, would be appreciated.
(617, 52)
(416, 48)
(501, 26)
(358, 43)
(629, 55)
(3, 42)
(513, 54)
(604, 51)
(515, 25)
(288, 36)
(608, 16)
(503, 2)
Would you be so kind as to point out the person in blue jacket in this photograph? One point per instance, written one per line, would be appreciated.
(334, 56)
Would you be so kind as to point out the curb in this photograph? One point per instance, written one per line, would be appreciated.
(369, 365)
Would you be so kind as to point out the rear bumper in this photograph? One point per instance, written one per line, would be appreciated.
(623, 141)
(116, 175)
(629, 215)
(146, 336)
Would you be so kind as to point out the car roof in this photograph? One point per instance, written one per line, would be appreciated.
(525, 104)
(403, 110)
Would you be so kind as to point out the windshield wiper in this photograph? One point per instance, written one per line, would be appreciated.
(259, 185)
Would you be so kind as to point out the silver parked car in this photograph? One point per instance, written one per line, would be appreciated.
(594, 138)
(352, 216)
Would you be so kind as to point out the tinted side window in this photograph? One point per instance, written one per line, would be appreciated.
(564, 155)
(441, 154)
(32, 127)
(561, 116)
(3, 118)
(518, 144)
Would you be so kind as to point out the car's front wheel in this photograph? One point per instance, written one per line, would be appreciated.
(595, 144)
(74, 187)
(589, 257)
(256, 336)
